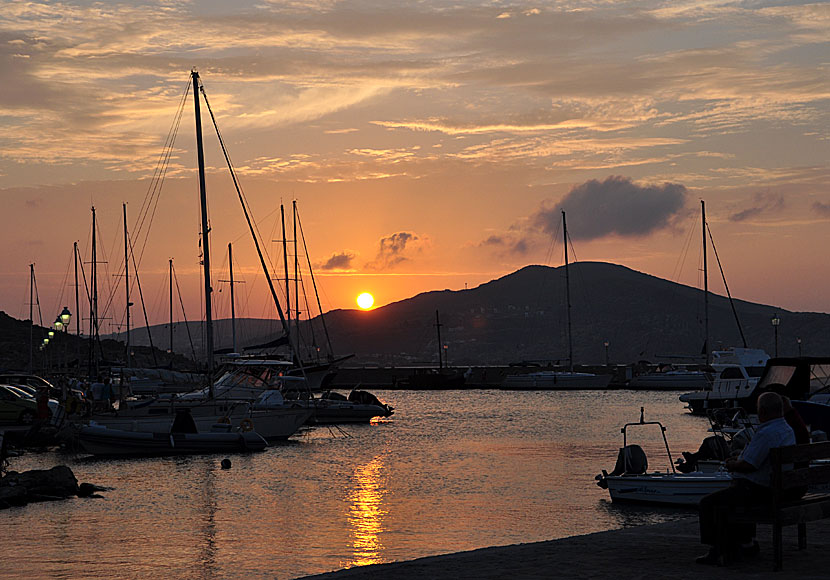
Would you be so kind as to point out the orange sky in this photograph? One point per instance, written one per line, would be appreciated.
(428, 146)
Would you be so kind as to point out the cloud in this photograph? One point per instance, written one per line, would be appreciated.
(763, 203)
(395, 249)
(510, 244)
(339, 261)
(616, 206)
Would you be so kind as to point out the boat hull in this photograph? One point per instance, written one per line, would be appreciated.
(98, 440)
(678, 489)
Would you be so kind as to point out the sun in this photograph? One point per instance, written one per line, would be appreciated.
(365, 301)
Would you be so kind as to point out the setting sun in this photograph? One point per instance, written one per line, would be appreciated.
(365, 301)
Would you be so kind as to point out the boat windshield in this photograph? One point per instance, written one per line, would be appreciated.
(819, 377)
(777, 374)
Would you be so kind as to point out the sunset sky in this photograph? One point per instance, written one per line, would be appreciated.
(429, 145)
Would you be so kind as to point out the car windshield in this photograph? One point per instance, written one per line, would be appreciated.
(19, 392)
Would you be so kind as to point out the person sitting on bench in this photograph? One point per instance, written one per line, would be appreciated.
(751, 486)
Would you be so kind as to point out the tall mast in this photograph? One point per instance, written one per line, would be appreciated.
(31, 318)
(77, 312)
(93, 304)
(233, 302)
(171, 309)
(705, 285)
(205, 233)
(296, 277)
(568, 294)
(285, 269)
(127, 283)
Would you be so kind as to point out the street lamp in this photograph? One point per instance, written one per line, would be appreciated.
(775, 322)
(605, 344)
(65, 317)
(798, 340)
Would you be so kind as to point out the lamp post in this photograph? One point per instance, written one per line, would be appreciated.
(605, 344)
(775, 322)
(798, 340)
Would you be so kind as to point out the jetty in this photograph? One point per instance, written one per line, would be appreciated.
(649, 551)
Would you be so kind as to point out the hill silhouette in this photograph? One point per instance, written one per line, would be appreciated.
(522, 317)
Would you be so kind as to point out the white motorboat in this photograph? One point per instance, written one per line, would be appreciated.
(182, 438)
(738, 371)
(631, 482)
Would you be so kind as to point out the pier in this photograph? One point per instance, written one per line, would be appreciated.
(650, 551)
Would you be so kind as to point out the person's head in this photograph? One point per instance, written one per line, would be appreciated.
(770, 406)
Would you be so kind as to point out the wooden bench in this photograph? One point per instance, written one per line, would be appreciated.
(793, 467)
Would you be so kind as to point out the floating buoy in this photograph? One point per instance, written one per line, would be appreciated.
(226, 463)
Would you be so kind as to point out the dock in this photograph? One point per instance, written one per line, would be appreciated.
(649, 551)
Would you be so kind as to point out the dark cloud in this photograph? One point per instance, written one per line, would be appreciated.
(615, 206)
(763, 202)
(339, 261)
(393, 250)
(509, 243)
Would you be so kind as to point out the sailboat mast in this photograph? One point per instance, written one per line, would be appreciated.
(205, 232)
(705, 285)
(127, 283)
(93, 303)
(568, 294)
(77, 311)
(31, 318)
(285, 268)
(296, 276)
(233, 302)
(170, 261)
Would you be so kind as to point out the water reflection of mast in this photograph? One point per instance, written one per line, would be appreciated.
(366, 514)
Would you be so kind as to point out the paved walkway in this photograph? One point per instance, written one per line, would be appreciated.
(657, 551)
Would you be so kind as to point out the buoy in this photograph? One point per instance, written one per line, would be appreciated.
(226, 463)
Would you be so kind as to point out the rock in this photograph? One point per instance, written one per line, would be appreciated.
(56, 482)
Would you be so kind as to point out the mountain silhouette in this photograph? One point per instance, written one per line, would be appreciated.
(523, 317)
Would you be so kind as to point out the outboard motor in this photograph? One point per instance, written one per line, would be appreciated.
(631, 460)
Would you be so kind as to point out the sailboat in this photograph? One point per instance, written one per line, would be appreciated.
(555, 379)
(158, 415)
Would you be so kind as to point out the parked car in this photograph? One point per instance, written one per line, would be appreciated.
(80, 404)
(17, 406)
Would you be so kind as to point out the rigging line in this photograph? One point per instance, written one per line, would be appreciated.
(184, 315)
(726, 286)
(143, 306)
(159, 176)
(251, 226)
(314, 283)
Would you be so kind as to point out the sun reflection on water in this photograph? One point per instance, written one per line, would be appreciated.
(366, 514)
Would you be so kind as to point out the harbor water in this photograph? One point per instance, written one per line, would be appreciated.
(450, 471)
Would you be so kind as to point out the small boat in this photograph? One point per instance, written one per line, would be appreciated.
(182, 439)
(358, 407)
(630, 481)
(672, 379)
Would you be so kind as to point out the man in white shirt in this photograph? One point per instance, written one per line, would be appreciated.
(751, 485)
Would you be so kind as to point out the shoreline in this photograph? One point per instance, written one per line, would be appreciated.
(656, 550)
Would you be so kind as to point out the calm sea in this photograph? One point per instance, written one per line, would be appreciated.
(450, 471)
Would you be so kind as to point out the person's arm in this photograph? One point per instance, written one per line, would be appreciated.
(739, 465)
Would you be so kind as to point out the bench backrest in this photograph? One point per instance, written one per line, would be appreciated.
(792, 467)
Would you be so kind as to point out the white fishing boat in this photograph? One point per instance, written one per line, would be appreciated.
(631, 482)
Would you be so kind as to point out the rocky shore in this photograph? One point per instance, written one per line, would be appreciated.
(655, 551)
